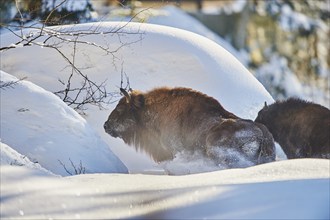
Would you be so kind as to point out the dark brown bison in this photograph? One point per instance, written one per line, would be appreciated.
(301, 128)
(166, 121)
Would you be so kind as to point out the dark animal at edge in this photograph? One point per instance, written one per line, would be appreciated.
(301, 128)
(166, 121)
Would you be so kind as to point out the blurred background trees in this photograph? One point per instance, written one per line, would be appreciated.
(287, 42)
(53, 12)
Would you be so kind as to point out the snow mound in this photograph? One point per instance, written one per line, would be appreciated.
(170, 15)
(9, 156)
(180, 58)
(151, 56)
(37, 124)
(291, 189)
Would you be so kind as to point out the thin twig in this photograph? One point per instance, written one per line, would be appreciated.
(89, 92)
(10, 84)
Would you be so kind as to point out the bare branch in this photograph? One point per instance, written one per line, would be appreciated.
(66, 170)
(10, 84)
(52, 11)
(20, 14)
(89, 91)
(78, 169)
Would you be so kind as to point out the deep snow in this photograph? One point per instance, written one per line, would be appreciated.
(37, 124)
(295, 189)
(170, 57)
(9, 156)
(291, 189)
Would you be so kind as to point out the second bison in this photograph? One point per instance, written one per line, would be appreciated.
(165, 121)
(301, 128)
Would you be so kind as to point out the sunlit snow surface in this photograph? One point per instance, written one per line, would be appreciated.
(153, 56)
(291, 189)
(46, 131)
(286, 189)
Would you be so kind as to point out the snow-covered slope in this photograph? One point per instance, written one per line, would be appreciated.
(8, 156)
(170, 15)
(292, 189)
(151, 56)
(37, 124)
(33, 121)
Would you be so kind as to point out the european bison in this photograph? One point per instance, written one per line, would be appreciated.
(301, 128)
(166, 121)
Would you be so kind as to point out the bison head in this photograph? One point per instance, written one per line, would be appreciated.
(124, 119)
(264, 115)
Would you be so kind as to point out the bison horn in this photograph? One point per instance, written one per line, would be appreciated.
(125, 93)
(266, 106)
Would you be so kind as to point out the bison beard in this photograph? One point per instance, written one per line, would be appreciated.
(165, 122)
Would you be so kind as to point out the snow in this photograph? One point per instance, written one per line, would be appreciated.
(180, 58)
(36, 126)
(11, 157)
(291, 189)
(278, 78)
(276, 75)
(294, 20)
(236, 7)
(69, 5)
(169, 17)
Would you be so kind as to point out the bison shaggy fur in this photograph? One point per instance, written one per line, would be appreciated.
(165, 121)
(301, 128)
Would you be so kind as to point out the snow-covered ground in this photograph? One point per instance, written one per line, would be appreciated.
(37, 127)
(169, 16)
(154, 56)
(290, 189)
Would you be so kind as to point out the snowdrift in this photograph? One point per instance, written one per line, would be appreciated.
(9, 156)
(151, 56)
(34, 121)
(292, 189)
(37, 124)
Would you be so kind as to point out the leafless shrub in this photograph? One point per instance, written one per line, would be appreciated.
(89, 91)
(77, 169)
